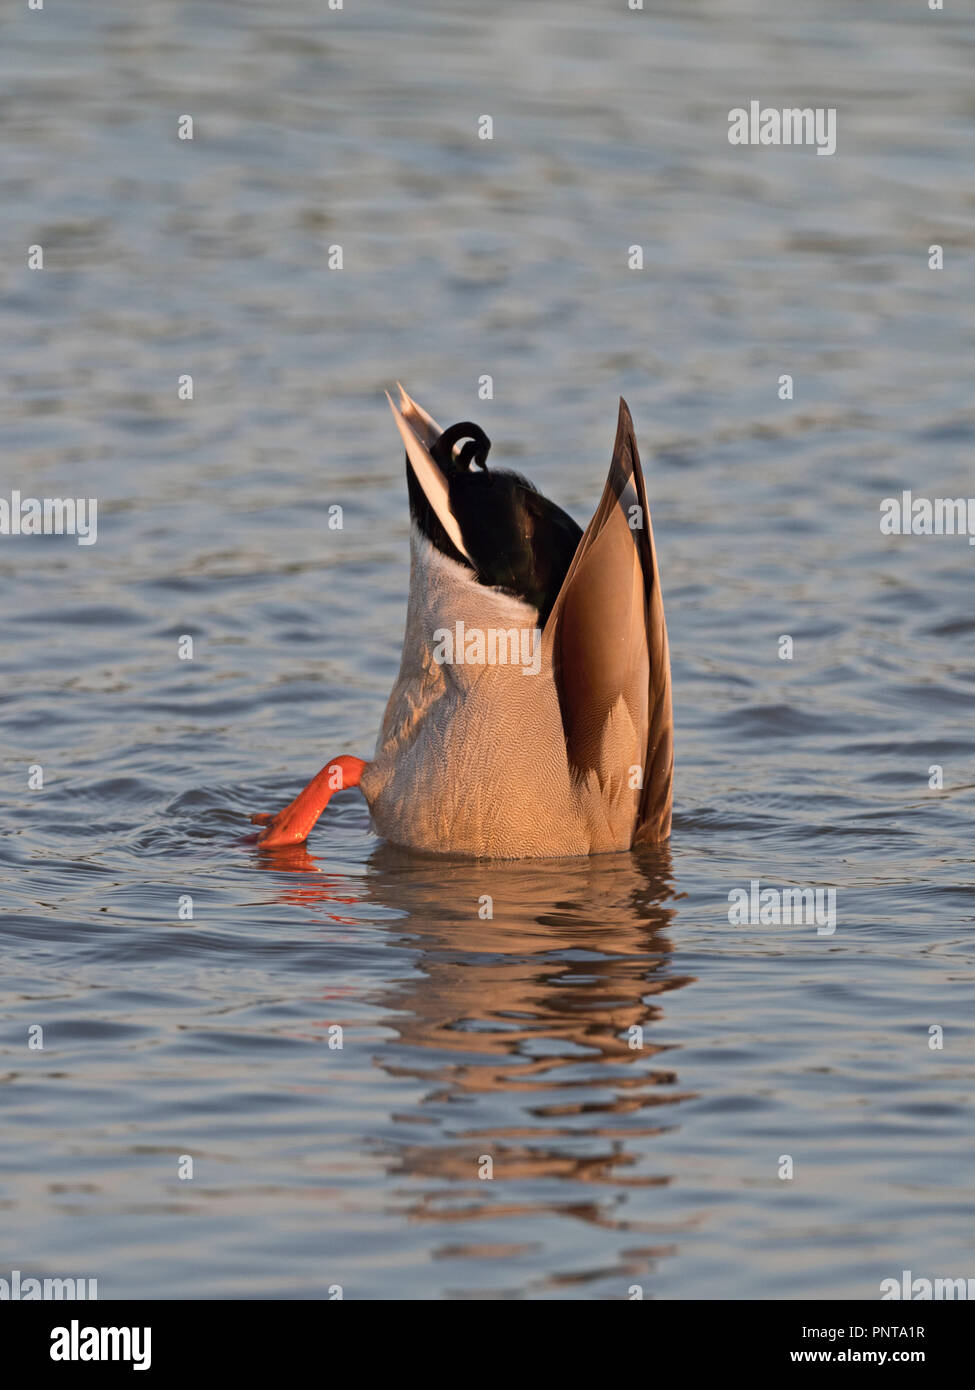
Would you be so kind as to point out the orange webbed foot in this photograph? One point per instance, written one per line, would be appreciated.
(294, 824)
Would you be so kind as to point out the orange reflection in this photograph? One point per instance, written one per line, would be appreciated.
(532, 1019)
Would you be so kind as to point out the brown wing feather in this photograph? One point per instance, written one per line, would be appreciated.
(608, 639)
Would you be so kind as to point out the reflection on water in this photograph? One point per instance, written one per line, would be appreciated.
(538, 987)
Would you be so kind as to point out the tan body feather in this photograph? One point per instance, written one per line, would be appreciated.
(472, 759)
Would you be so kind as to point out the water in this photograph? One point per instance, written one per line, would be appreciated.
(464, 1038)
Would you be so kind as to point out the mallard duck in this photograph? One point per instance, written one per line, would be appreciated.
(531, 716)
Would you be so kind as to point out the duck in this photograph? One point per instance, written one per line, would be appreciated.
(532, 714)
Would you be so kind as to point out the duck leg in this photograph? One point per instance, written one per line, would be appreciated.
(294, 824)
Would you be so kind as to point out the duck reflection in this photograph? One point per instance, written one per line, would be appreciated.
(531, 1023)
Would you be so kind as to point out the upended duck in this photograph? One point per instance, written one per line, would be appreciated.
(531, 716)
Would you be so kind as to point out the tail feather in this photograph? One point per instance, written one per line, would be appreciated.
(608, 639)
